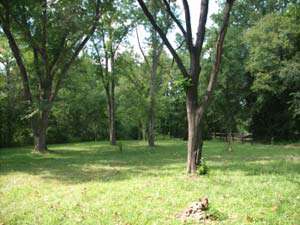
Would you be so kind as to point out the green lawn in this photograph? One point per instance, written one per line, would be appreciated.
(93, 183)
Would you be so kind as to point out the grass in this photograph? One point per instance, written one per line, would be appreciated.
(94, 183)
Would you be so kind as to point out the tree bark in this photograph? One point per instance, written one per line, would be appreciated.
(112, 114)
(199, 150)
(112, 124)
(193, 141)
(39, 126)
(40, 141)
(152, 105)
(193, 119)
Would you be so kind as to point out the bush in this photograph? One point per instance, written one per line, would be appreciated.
(202, 169)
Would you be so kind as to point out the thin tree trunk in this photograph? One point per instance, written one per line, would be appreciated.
(111, 120)
(142, 131)
(152, 105)
(112, 133)
(144, 136)
(151, 128)
(112, 114)
(199, 150)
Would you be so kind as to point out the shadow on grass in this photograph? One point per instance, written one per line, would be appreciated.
(88, 162)
(95, 162)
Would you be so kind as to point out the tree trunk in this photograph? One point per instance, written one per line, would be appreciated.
(151, 128)
(144, 132)
(193, 142)
(40, 125)
(199, 150)
(193, 129)
(156, 52)
(112, 114)
(193, 115)
(152, 105)
(112, 124)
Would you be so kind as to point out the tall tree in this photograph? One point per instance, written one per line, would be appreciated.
(152, 61)
(115, 26)
(8, 94)
(195, 109)
(54, 32)
(274, 62)
(133, 93)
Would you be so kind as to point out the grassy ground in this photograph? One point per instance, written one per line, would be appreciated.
(93, 183)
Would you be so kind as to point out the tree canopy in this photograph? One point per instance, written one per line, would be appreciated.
(74, 70)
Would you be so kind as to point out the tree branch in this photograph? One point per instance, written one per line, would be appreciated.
(23, 25)
(37, 66)
(201, 26)
(120, 41)
(189, 35)
(104, 82)
(218, 57)
(45, 39)
(60, 51)
(169, 11)
(164, 38)
(16, 52)
(77, 51)
(141, 49)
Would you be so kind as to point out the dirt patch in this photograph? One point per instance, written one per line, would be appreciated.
(197, 211)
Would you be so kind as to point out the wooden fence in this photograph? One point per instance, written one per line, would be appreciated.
(242, 137)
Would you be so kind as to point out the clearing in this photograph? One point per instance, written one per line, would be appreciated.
(94, 183)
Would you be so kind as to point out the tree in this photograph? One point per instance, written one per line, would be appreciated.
(274, 62)
(152, 61)
(115, 26)
(8, 94)
(54, 33)
(229, 112)
(80, 106)
(195, 109)
(235, 107)
(132, 97)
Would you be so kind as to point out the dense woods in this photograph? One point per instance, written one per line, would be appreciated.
(111, 70)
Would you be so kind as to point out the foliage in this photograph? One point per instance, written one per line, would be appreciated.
(202, 168)
(274, 62)
(257, 90)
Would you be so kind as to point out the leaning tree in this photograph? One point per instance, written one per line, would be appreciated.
(45, 38)
(194, 105)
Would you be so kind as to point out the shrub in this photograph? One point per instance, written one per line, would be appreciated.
(202, 169)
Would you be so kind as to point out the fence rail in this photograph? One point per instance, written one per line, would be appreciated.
(242, 137)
